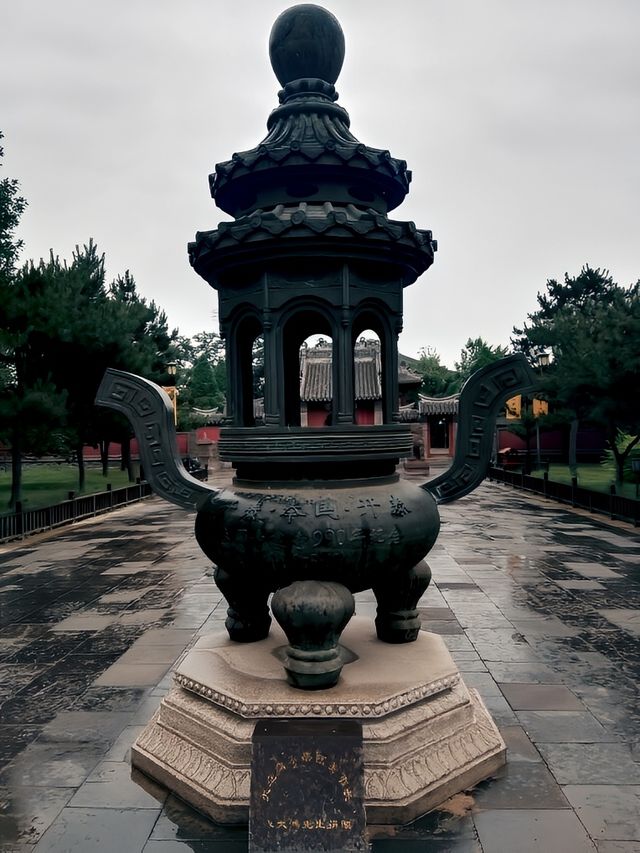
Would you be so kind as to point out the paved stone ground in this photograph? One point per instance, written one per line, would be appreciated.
(539, 606)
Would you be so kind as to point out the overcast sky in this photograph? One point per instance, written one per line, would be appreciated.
(520, 121)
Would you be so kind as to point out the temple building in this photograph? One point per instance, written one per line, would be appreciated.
(439, 420)
(316, 388)
(433, 420)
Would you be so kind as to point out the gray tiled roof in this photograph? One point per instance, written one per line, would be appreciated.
(439, 405)
(367, 378)
(406, 376)
(316, 384)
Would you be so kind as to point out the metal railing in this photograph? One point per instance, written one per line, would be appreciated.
(23, 522)
(606, 503)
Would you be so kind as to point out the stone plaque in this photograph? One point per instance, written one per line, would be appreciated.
(307, 789)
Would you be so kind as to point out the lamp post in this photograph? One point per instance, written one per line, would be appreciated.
(171, 389)
(542, 360)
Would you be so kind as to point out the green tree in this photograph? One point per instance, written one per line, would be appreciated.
(30, 406)
(150, 347)
(437, 379)
(208, 345)
(475, 354)
(574, 295)
(67, 328)
(31, 416)
(257, 362)
(183, 353)
(12, 206)
(121, 330)
(201, 376)
(624, 442)
(202, 385)
(60, 328)
(592, 327)
(65, 323)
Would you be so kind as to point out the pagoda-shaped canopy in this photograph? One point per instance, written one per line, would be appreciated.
(310, 251)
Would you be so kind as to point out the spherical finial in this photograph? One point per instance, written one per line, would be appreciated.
(306, 41)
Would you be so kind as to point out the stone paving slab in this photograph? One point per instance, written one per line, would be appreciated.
(532, 831)
(538, 605)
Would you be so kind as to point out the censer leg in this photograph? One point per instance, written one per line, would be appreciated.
(398, 594)
(248, 618)
(313, 614)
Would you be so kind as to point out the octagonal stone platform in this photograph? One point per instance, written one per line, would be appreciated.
(426, 736)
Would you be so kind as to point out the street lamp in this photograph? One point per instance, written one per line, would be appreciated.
(542, 360)
(171, 390)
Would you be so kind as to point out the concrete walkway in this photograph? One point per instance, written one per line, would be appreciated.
(540, 607)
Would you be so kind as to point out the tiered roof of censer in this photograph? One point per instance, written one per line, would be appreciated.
(310, 182)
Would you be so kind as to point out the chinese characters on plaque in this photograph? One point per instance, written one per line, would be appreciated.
(307, 786)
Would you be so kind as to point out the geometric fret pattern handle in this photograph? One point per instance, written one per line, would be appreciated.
(481, 398)
(150, 413)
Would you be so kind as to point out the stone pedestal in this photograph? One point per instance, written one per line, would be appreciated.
(426, 736)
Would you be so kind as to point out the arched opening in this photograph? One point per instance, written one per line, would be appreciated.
(316, 381)
(301, 335)
(247, 379)
(258, 378)
(367, 379)
(371, 324)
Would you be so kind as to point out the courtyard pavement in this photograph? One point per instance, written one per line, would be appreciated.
(539, 606)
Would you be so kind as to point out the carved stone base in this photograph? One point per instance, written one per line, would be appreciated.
(426, 737)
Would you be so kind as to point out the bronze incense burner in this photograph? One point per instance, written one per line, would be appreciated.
(315, 513)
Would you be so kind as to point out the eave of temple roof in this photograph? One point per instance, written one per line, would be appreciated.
(408, 377)
(438, 405)
(213, 415)
(409, 414)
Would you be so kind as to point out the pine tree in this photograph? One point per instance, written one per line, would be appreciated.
(591, 325)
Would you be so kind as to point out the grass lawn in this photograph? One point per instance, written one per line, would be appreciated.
(595, 477)
(45, 485)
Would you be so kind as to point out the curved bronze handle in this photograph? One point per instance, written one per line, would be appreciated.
(150, 413)
(481, 398)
